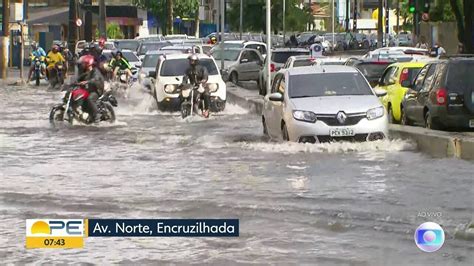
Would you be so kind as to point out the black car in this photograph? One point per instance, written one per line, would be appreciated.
(442, 95)
(372, 69)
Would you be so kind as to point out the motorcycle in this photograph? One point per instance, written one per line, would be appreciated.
(38, 72)
(72, 107)
(189, 101)
(56, 76)
(123, 82)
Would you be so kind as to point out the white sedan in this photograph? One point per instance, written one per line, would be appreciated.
(323, 104)
(169, 75)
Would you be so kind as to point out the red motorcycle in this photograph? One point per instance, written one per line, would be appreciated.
(74, 107)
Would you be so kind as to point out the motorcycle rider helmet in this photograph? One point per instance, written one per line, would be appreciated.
(193, 59)
(213, 40)
(34, 45)
(85, 62)
(55, 48)
(102, 43)
(118, 53)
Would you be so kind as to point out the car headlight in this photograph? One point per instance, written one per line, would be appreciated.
(170, 88)
(375, 113)
(213, 87)
(305, 116)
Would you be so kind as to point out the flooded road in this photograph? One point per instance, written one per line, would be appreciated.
(344, 204)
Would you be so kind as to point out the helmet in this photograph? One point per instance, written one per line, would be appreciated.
(213, 40)
(34, 45)
(55, 47)
(119, 53)
(86, 61)
(193, 59)
(102, 42)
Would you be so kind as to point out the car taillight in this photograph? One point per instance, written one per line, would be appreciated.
(441, 96)
(404, 75)
(272, 68)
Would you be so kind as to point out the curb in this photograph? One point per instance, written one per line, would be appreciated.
(438, 144)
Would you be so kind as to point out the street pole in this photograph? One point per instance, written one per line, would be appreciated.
(222, 6)
(102, 19)
(333, 22)
(387, 26)
(72, 38)
(22, 51)
(347, 15)
(284, 22)
(4, 39)
(398, 17)
(269, 45)
(380, 25)
(354, 19)
(241, 18)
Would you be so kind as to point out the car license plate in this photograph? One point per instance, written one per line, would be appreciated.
(341, 132)
(471, 123)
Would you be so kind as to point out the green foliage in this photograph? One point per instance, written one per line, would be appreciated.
(186, 8)
(113, 32)
(442, 11)
(254, 16)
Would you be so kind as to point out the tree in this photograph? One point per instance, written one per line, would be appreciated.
(158, 8)
(464, 19)
(296, 18)
(113, 32)
(188, 9)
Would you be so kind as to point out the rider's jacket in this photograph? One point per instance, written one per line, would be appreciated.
(54, 58)
(195, 74)
(122, 64)
(95, 81)
(39, 52)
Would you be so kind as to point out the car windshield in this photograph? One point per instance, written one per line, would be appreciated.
(177, 67)
(460, 78)
(145, 47)
(151, 60)
(411, 72)
(229, 55)
(332, 63)
(303, 62)
(258, 47)
(128, 45)
(372, 70)
(130, 56)
(328, 84)
(282, 57)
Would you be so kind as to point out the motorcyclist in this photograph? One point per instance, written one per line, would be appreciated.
(120, 63)
(197, 74)
(91, 78)
(36, 51)
(53, 58)
(213, 40)
(68, 56)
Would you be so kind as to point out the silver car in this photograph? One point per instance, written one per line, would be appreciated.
(239, 64)
(323, 104)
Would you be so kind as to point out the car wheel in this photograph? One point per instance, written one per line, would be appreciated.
(234, 78)
(265, 129)
(429, 123)
(391, 119)
(404, 120)
(284, 133)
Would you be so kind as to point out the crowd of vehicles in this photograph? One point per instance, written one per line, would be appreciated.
(399, 84)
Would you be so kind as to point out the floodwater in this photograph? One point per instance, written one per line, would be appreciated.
(343, 204)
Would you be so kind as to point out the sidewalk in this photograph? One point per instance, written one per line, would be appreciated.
(13, 78)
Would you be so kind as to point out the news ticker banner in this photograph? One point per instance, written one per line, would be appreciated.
(70, 233)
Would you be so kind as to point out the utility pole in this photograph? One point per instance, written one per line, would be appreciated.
(269, 47)
(387, 26)
(222, 6)
(4, 39)
(241, 18)
(380, 25)
(284, 22)
(398, 17)
(347, 15)
(170, 16)
(354, 19)
(102, 19)
(72, 38)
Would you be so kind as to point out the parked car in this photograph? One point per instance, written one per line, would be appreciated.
(299, 61)
(169, 75)
(371, 68)
(126, 44)
(239, 64)
(323, 104)
(150, 46)
(442, 95)
(148, 70)
(391, 81)
(277, 61)
(261, 47)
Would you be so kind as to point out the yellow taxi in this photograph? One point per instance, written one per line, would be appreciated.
(392, 79)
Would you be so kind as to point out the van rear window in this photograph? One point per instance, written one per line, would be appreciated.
(460, 77)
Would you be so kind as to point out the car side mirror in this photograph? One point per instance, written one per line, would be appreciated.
(244, 60)
(380, 92)
(406, 83)
(152, 74)
(276, 97)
